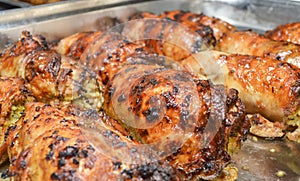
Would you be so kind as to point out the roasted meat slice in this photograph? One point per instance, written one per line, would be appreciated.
(48, 144)
(251, 43)
(191, 123)
(266, 86)
(49, 76)
(12, 98)
(287, 32)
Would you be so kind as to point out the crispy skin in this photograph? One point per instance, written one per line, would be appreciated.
(172, 115)
(261, 89)
(73, 46)
(48, 144)
(251, 43)
(12, 93)
(287, 32)
(48, 75)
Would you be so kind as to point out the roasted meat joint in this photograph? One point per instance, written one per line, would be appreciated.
(168, 96)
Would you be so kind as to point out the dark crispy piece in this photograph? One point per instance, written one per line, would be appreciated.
(48, 144)
(73, 46)
(168, 109)
(251, 43)
(48, 75)
(287, 32)
(12, 97)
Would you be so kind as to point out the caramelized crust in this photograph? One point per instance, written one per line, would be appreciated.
(287, 32)
(251, 43)
(48, 144)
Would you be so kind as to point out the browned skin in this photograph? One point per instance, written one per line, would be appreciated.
(192, 157)
(251, 43)
(73, 46)
(48, 144)
(48, 75)
(12, 92)
(287, 32)
(261, 81)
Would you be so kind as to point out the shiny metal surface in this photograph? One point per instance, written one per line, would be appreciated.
(259, 159)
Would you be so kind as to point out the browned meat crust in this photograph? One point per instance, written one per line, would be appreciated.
(287, 32)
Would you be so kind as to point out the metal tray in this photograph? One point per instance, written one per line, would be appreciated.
(259, 159)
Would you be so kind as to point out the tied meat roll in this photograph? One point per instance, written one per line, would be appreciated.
(190, 122)
(48, 144)
(266, 86)
(50, 77)
(167, 109)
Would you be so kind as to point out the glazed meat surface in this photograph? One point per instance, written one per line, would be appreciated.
(287, 32)
(251, 43)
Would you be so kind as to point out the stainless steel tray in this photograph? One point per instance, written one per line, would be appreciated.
(259, 159)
